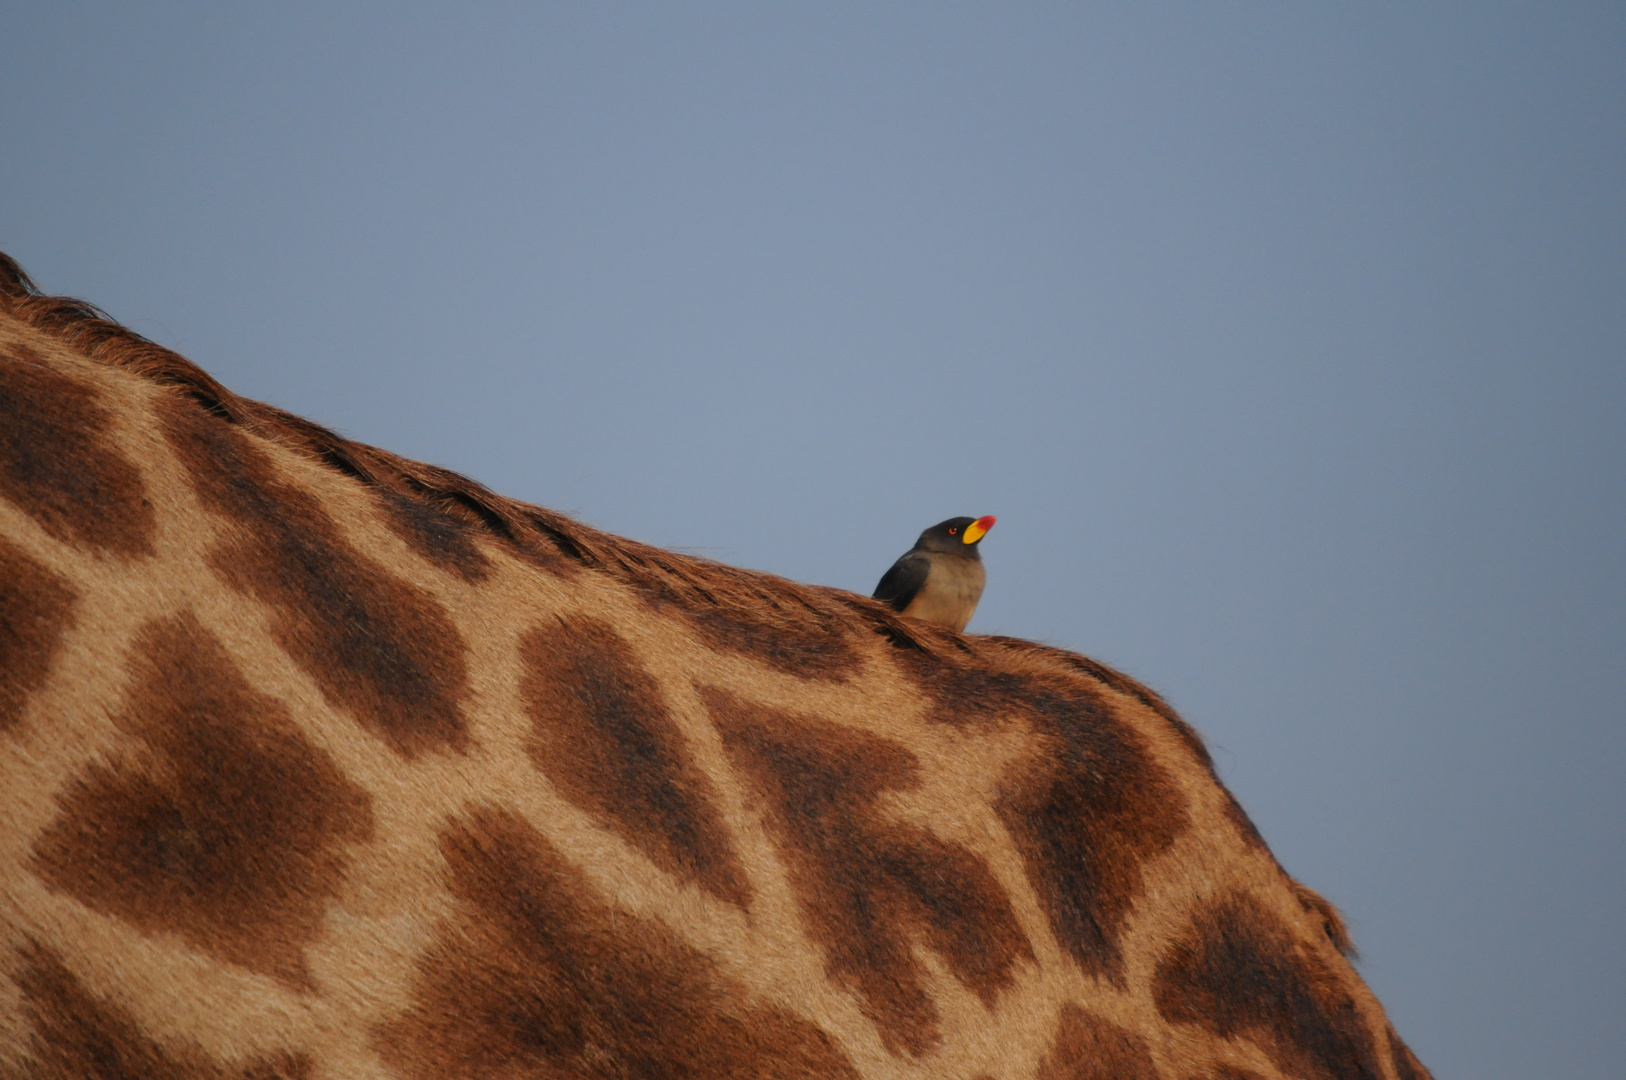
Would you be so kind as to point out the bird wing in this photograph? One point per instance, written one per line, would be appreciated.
(900, 584)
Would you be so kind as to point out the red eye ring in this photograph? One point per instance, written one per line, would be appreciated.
(953, 531)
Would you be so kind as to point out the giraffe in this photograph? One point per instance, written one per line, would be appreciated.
(318, 762)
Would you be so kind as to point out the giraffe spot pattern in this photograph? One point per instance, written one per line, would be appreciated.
(98, 1045)
(437, 536)
(866, 885)
(57, 464)
(76, 1034)
(224, 827)
(537, 976)
(808, 654)
(1087, 807)
(376, 645)
(601, 731)
(1238, 972)
(36, 608)
(1090, 1047)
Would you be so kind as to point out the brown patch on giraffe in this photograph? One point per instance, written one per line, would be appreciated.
(223, 827)
(1086, 808)
(57, 464)
(439, 537)
(1407, 1067)
(806, 652)
(78, 1034)
(1123, 684)
(601, 731)
(1238, 972)
(36, 608)
(376, 644)
(537, 976)
(866, 885)
(1089, 1047)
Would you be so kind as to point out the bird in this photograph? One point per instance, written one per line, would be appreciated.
(939, 579)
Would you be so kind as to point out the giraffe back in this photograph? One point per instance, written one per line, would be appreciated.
(317, 762)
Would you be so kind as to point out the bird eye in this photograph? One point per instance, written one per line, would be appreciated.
(953, 531)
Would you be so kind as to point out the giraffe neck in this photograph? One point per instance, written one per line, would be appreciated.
(316, 762)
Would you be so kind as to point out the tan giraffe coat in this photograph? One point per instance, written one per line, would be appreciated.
(316, 762)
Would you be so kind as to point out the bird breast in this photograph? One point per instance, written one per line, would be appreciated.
(951, 592)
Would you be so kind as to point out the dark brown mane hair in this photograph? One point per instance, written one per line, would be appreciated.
(682, 579)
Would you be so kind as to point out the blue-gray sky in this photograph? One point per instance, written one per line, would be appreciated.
(1287, 341)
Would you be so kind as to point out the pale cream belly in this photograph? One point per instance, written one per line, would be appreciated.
(950, 594)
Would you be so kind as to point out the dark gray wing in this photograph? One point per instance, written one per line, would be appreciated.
(900, 584)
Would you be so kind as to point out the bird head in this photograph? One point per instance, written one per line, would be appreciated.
(956, 536)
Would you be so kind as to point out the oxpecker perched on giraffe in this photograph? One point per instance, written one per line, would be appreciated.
(940, 579)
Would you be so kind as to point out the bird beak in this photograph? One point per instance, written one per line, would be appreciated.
(975, 530)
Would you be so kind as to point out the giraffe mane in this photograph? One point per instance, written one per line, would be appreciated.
(687, 580)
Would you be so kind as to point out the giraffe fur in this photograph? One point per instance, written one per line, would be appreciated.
(318, 762)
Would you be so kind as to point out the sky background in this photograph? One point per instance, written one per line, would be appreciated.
(1288, 343)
